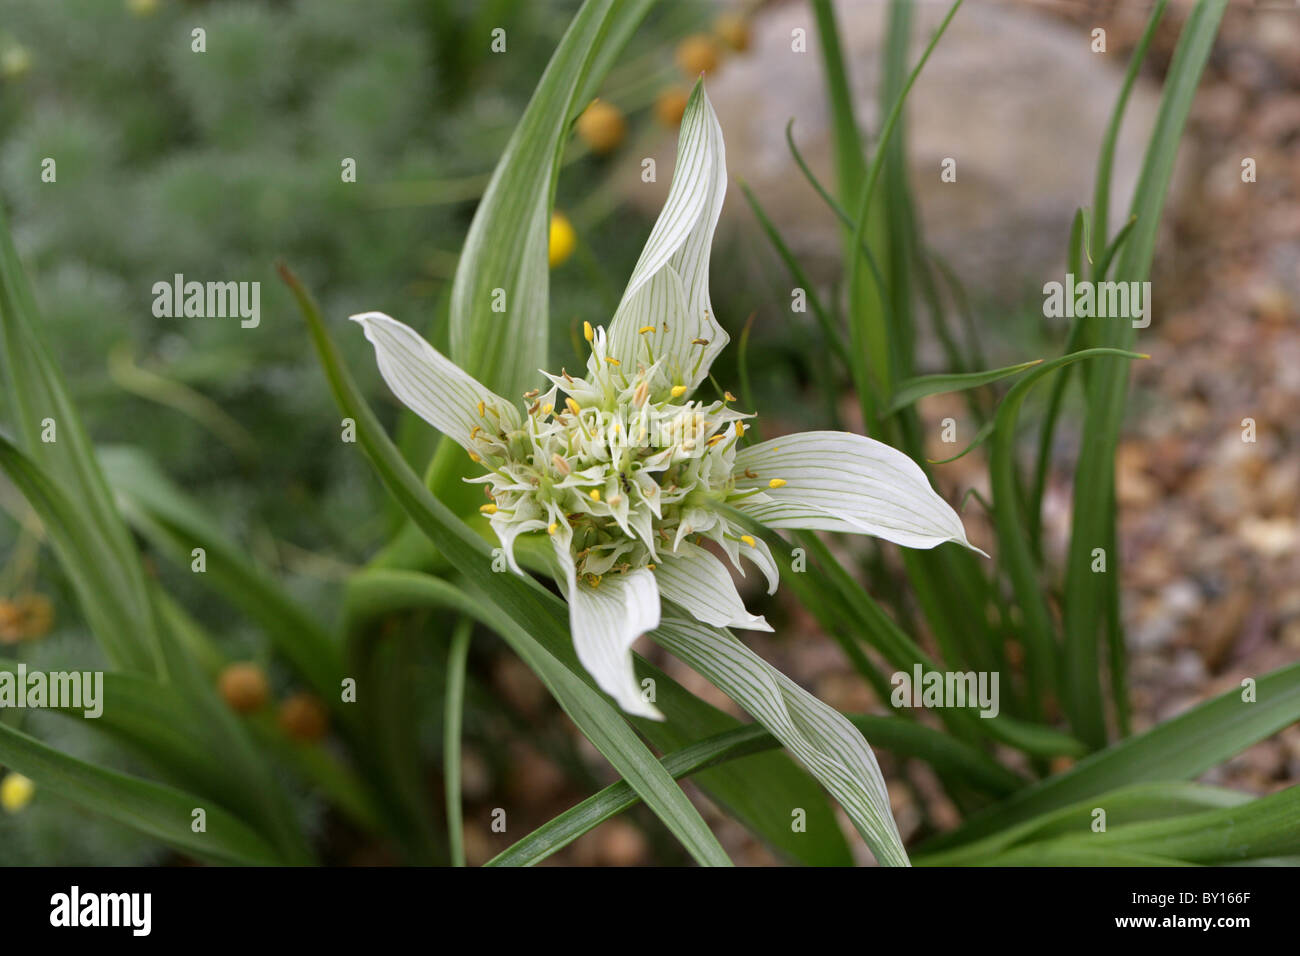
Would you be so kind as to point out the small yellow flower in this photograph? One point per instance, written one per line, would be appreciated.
(563, 240)
(16, 792)
(732, 30)
(669, 107)
(244, 688)
(697, 54)
(602, 127)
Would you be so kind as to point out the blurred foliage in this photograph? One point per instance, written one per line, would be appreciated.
(215, 165)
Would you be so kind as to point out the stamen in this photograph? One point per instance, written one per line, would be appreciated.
(613, 361)
(587, 332)
(776, 483)
(748, 539)
(573, 406)
(699, 341)
(560, 464)
(728, 397)
(678, 391)
(595, 494)
(644, 329)
(474, 457)
(552, 527)
(715, 439)
(481, 408)
(488, 509)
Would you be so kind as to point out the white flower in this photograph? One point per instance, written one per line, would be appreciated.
(624, 467)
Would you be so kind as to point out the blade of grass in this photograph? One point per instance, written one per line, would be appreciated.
(1178, 749)
(1088, 595)
(453, 711)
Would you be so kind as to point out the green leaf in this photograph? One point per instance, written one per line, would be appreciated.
(505, 253)
(759, 791)
(1014, 550)
(118, 607)
(1088, 596)
(915, 389)
(1125, 805)
(176, 524)
(519, 609)
(157, 811)
(818, 736)
(744, 744)
(1178, 749)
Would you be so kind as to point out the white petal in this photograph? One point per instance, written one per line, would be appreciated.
(822, 739)
(605, 621)
(700, 583)
(432, 385)
(681, 241)
(835, 481)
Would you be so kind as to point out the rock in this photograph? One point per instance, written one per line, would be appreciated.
(1015, 97)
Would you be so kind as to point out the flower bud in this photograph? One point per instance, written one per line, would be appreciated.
(243, 687)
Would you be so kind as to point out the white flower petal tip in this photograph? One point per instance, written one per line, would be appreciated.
(605, 621)
(700, 584)
(432, 385)
(835, 481)
(666, 313)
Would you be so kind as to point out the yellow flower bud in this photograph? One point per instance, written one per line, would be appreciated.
(16, 792)
(669, 107)
(732, 30)
(602, 127)
(563, 240)
(697, 54)
(243, 687)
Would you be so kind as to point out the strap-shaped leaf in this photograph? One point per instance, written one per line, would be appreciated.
(817, 735)
(161, 812)
(504, 260)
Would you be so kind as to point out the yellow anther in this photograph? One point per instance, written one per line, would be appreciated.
(474, 457)
(548, 408)
(560, 464)
(740, 429)
(595, 494)
(587, 332)
(481, 408)
(474, 431)
(728, 397)
(488, 509)
(748, 539)
(776, 483)
(573, 406)
(615, 500)
(678, 391)
(715, 439)
(613, 361)
(552, 527)
(699, 341)
(644, 329)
